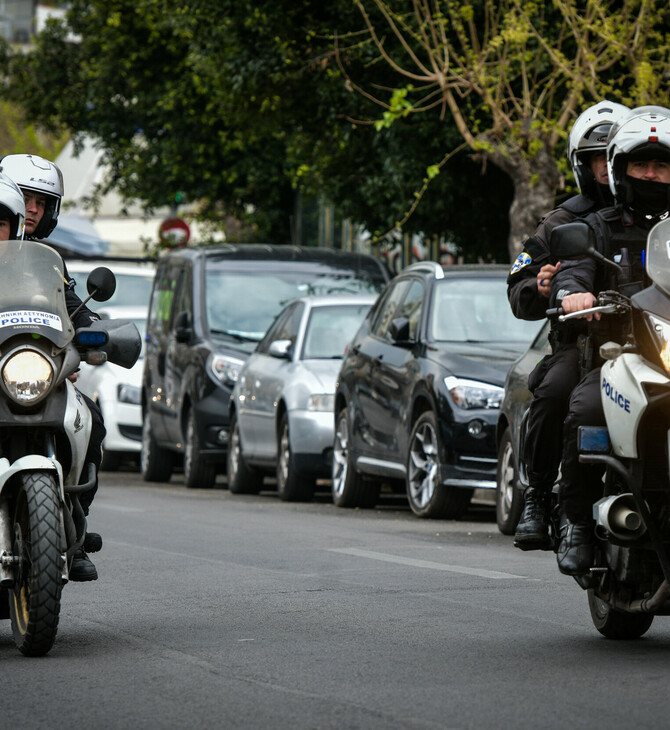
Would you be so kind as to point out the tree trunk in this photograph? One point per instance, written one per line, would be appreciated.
(536, 180)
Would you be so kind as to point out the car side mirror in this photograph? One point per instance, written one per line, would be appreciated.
(399, 331)
(572, 240)
(280, 349)
(182, 327)
(101, 284)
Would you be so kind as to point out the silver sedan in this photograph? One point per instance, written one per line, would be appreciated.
(281, 409)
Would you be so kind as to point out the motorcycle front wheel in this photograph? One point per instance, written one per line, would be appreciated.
(615, 624)
(34, 600)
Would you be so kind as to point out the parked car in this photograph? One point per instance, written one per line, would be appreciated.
(210, 307)
(117, 391)
(511, 477)
(420, 388)
(281, 409)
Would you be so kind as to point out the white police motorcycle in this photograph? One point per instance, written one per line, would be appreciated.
(630, 582)
(44, 431)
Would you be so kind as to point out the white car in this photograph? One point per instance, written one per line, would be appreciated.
(115, 389)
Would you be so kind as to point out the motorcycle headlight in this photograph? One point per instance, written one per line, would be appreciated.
(28, 376)
(661, 330)
(469, 394)
(224, 368)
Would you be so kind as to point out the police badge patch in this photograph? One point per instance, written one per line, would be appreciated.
(523, 260)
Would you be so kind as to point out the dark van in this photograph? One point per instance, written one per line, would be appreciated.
(210, 306)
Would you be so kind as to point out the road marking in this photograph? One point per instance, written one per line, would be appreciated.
(430, 565)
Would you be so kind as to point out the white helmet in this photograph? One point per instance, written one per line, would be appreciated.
(38, 175)
(644, 133)
(12, 204)
(588, 135)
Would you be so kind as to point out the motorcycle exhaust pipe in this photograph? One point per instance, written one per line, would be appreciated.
(618, 516)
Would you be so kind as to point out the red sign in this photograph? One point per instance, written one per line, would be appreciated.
(174, 232)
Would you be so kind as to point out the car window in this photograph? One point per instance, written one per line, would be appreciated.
(388, 307)
(476, 310)
(330, 329)
(243, 304)
(285, 327)
(163, 296)
(412, 307)
(131, 289)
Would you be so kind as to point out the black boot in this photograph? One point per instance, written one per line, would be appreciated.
(82, 568)
(576, 551)
(532, 532)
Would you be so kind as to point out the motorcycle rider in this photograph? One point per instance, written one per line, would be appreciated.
(12, 210)
(638, 158)
(528, 289)
(41, 183)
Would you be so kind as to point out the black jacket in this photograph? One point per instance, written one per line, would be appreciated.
(524, 298)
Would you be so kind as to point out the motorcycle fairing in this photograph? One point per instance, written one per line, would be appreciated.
(35, 303)
(624, 400)
(77, 423)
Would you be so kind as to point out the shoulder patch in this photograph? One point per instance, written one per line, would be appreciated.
(523, 260)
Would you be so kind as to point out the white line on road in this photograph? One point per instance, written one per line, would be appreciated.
(494, 574)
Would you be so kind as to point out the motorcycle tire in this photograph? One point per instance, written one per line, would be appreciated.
(613, 624)
(34, 600)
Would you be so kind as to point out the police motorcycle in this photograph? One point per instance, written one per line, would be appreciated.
(630, 581)
(44, 432)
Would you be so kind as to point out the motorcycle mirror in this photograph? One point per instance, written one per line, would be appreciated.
(101, 284)
(572, 240)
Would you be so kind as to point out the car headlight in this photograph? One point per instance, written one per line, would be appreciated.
(468, 394)
(224, 368)
(661, 330)
(321, 402)
(128, 394)
(28, 376)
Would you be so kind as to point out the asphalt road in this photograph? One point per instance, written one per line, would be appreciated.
(221, 611)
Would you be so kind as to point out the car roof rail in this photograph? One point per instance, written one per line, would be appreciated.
(431, 267)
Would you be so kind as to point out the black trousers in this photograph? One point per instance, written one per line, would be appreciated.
(551, 383)
(581, 484)
(94, 452)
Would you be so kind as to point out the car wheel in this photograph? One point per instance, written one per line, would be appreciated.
(242, 479)
(292, 486)
(155, 462)
(509, 499)
(197, 472)
(349, 488)
(427, 495)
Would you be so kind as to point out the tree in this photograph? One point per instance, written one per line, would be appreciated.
(236, 105)
(512, 74)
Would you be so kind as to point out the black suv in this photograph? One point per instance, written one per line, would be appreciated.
(210, 306)
(420, 388)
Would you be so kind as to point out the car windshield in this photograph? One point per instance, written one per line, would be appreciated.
(243, 304)
(131, 289)
(476, 310)
(330, 329)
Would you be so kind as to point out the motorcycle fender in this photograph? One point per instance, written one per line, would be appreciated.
(624, 401)
(78, 429)
(32, 462)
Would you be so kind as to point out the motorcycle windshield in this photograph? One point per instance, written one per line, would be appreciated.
(32, 293)
(658, 255)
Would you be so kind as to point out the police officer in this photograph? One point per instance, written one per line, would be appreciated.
(638, 158)
(553, 379)
(41, 183)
